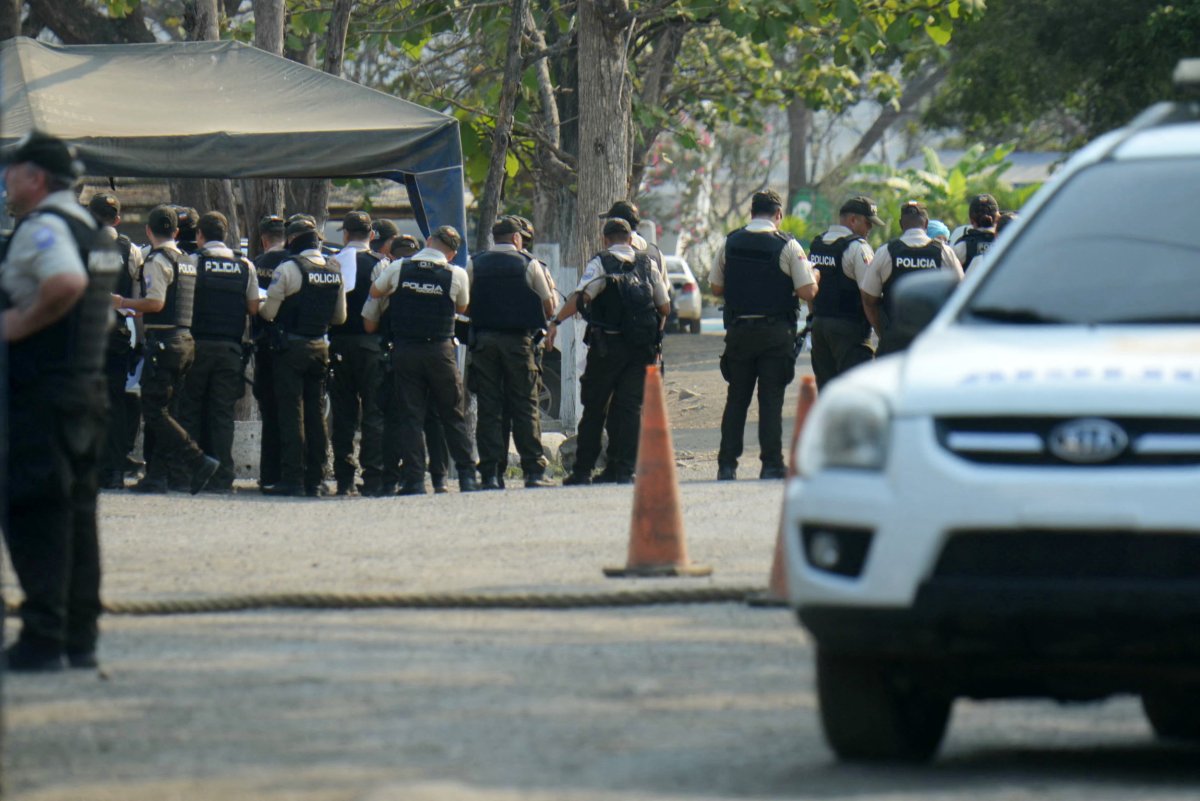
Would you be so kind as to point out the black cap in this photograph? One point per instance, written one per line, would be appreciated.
(448, 236)
(616, 227)
(864, 206)
(506, 226)
(984, 204)
(301, 216)
(526, 228)
(384, 229)
(357, 222)
(187, 217)
(914, 208)
(406, 242)
(48, 152)
(272, 224)
(163, 220)
(104, 206)
(623, 210)
(302, 224)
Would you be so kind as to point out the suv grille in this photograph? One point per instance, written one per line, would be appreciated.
(1070, 555)
(1153, 441)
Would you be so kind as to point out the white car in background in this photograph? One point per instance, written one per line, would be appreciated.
(1011, 507)
(686, 300)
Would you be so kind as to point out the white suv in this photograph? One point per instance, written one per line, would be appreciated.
(1011, 507)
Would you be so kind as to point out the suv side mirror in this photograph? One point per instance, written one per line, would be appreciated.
(918, 300)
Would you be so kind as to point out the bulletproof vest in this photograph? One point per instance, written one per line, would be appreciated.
(906, 260)
(365, 262)
(220, 304)
(75, 344)
(124, 280)
(422, 308)
(266, 263)
(627, 302)
(978, 243)
(502, 299)
(307, 313)
(839, 295)
(177, 305)
(754, 283)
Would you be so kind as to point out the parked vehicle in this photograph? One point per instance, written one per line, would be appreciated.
(686, 300)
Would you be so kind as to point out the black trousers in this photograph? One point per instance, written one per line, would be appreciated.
(300, 391)
(354, 395)
(392, 402)
(837, 345)
(268, 411)
(756, 354)
(611, 390)
(56, 430)
(427, 376)
(116, 440)
(169, 357)
(504, 377)
(206, 404)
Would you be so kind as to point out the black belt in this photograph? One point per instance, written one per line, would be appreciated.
(167, 331)
(303, 338)
(738, 321)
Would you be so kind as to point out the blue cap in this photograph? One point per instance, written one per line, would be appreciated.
(937, 228)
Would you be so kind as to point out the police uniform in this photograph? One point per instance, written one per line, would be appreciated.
(56, 408)
(354, 389)
(841, 335)
(912, 252)
(170, 277)
(264, 371)
(226, 285)
(622, 293)
(306, 296)
(417, 310)
(509, 308)
(973, 244)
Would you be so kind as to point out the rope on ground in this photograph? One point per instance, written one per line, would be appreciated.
(552, 600)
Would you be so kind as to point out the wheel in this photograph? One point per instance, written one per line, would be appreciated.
(874, 710)
(1173, 713)
(694, 326)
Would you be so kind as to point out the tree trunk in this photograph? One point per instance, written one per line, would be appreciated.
(656, 81)
(10, 19)
(489, 202)
(604, 111)
(76, 22)
(264, 196)
(799, 127)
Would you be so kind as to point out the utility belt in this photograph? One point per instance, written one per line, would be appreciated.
(422, 340)
(166, 331)
(771, 319)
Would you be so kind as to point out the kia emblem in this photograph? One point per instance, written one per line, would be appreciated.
(1089, 440)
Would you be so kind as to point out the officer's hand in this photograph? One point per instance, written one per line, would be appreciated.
(117, 301)
(551, 335)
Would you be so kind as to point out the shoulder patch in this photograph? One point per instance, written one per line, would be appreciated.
(44, 238)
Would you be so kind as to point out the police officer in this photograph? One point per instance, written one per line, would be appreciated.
(760, 272)
(912, 253)
(186, 238)
(510, 305)
(418, 298)
(226, 291)
(56, 282)
(985, 213)
(167, 292)
(628, 211)
(118, 359)
(841, 335)
(306, 296)
(625, 302)
(272, 235)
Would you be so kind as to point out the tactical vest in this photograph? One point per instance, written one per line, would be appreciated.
(177, 305)
(754, 283)
(839, 295)
(502, 298)
(219, 310)
(627, 303)
(124, 280)
(75, 344)
(266, 264)
(307, 313)
(907, 260)
(978, 243)
(365, 262)
(422, 309)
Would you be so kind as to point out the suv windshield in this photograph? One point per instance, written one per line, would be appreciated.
(1118, 243)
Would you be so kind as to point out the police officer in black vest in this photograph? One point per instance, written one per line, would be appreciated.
(272, 235)
(913, 252)
(186, 238)
(226, 292)
(306, 296)
(761, 272)
(119, 357)
(357, 370)
(510, 305)
(975, 241)
(418, 298)
(167, 292)
(56, 291)
(841, 335)
(625, 302)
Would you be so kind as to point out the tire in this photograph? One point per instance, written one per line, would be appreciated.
(694, 326)
(872, 710)
(1174, 713)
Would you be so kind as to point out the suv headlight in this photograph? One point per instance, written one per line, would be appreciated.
(850, 431)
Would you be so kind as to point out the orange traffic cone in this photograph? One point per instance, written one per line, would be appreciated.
(656, 539)
(777, 587)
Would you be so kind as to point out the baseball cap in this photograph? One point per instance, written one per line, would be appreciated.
(914, 208)
(505, 226)
(617, 226)
(303, 224)
(163, 220)
(384, 229)
(526, 227)
(406, 242)
(48, 152)
(105, 205)
(623, 210)
(272, 224)
(864, 206)
(187, 217)
(357, 222)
